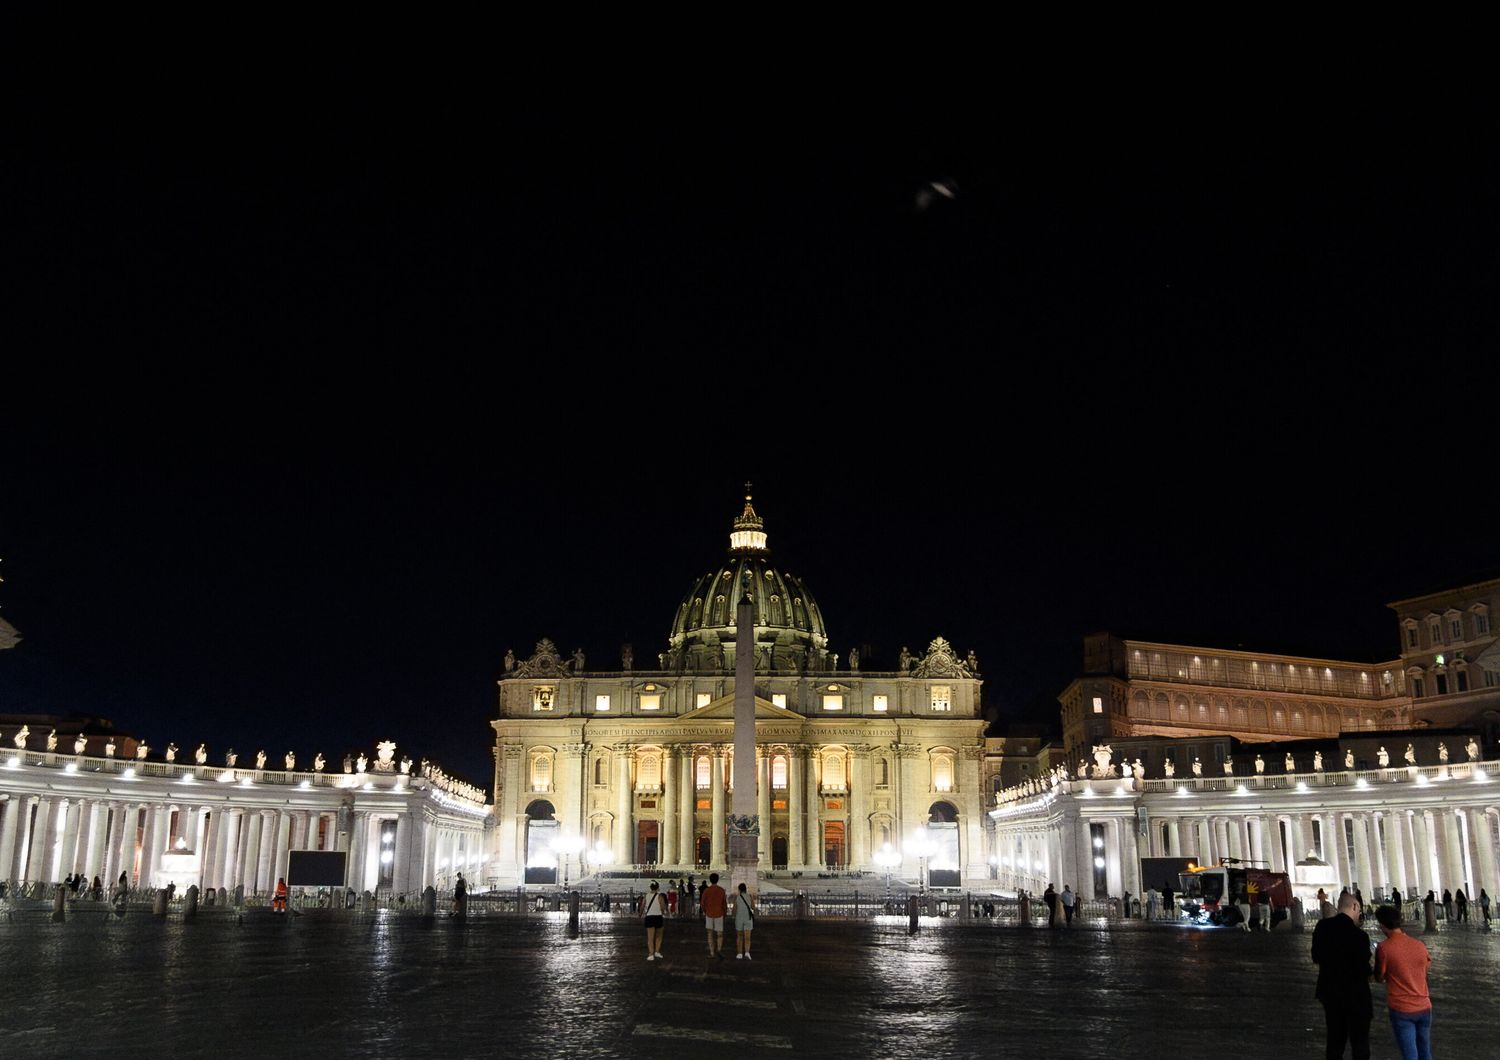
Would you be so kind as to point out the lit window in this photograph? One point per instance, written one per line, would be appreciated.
(881, 704)
(778, 771)
(942, 697)
(833, 702)
(601, 704)
(702, 769)
(833, 773)
(705, 698)
(942, 772)
(542, 697)
(648, 772)
(541, 773)
(651, 701)
(778, 699)
(1098, 705)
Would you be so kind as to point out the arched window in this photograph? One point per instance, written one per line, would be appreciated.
(648, 771)
(600, 772)
(883, 772)
(942, 771)
(833, 773)
(702, 770)
(541, 771)
(778, 772)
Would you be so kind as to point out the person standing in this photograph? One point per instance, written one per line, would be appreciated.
(1168, 907)
(1401, 963)
(1484, 907)
(1447, 905)
(1068, 900)
(713, 901)
(1342, 953)
(460, 897)
(1049, 896)
(1461, 900)
(653, 910)
(744, 923)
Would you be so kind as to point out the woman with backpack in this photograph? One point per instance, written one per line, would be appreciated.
(744, 923)
(653, 912)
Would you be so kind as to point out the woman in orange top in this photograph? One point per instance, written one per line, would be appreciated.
(278, 902)
(1401, 963)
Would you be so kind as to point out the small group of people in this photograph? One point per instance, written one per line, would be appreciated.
(1066, 902)
(1341, 950)
(78, 884)
(714, 903)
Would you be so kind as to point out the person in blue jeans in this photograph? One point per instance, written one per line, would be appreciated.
(1401, 963)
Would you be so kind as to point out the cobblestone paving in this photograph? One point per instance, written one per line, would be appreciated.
(384, 985)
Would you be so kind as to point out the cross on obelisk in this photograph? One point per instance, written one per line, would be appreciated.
(744, 822)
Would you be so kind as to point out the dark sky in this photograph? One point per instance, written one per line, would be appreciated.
(319, 405)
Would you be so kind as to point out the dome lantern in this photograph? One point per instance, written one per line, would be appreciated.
(749, 535)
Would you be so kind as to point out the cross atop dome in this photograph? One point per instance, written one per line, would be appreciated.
(749, 534)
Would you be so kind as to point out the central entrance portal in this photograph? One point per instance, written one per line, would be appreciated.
(833, 844)
(646, 842)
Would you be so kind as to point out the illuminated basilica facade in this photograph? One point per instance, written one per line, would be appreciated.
(858, 771)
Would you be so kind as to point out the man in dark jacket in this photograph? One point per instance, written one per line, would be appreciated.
(1050, 897)
(1342, 953)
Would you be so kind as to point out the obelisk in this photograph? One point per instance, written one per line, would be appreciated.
(744, 820)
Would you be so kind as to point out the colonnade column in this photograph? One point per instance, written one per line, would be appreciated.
(1084, 884)
(668, 854)
(150, 839)
(624, 841)
(1453, 865)
(1130, 862)
(795, 844)
(1421, 851)
(1361, 851)
(1484, 868)
(716, 828)
(251, 827)
(69, 852)
(1174, 839)
(1395, 838)
(38, 867)
(687, 804)
(10, 813)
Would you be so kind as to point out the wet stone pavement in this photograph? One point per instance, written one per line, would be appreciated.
(386, 985)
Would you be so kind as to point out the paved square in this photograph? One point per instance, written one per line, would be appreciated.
(386, 985)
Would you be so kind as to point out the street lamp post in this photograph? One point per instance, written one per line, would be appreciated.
(887, 858)
(565, 847)
(923, 847)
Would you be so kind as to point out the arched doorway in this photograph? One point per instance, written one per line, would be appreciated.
(778, 852)
(705, 850)
(541, 830)
(944, 867)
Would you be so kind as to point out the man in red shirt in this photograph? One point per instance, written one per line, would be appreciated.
(1401, 963)
(714, 904)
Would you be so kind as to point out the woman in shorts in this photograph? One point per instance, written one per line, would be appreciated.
(653, 912)
(744, 923)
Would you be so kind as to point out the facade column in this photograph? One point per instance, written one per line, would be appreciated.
(112, 843)
(1333, 848)
(813, 832)
(401, 869)
(211, 822)
(859, 812)
(668, 852)
(83, 837)
(687, 808)
(1083, 883)
(1130, 862)
(98, 837)
(716, 833)
(795, 797)
(1174, 838)
(624, 839)
(354, 872)
(763, 807)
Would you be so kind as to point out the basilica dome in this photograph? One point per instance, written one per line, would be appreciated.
(789, 630)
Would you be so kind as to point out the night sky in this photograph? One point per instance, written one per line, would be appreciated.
(313, 408)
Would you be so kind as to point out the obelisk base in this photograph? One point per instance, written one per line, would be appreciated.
(744, 855)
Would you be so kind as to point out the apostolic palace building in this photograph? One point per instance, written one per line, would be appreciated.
(1379, 775)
